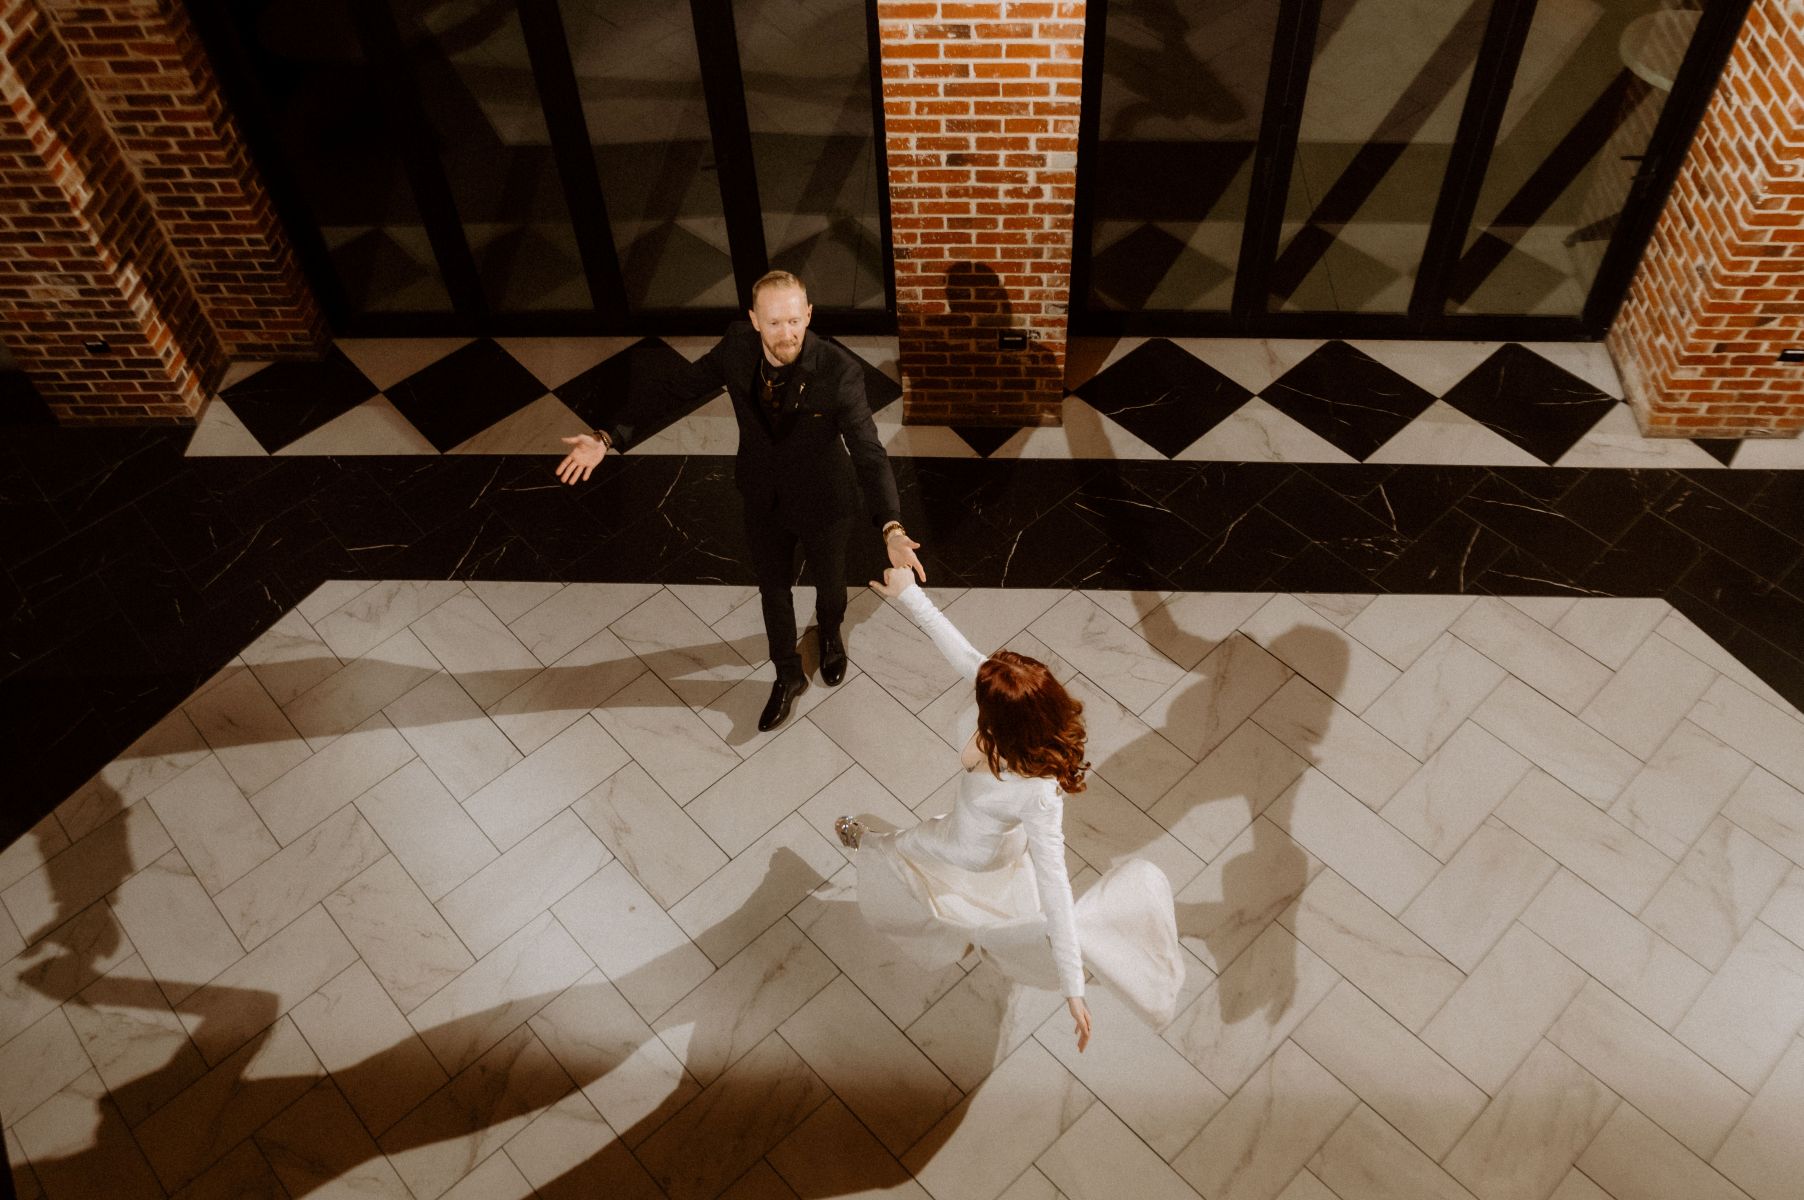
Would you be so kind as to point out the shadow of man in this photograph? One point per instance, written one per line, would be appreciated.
(989, 381)
(1268, 870)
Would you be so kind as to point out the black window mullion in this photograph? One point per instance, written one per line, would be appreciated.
(548, 48)
(717, 44)
(1696, 82)
(418, 148)
(1089, 153)
(1499, 56)
(1293, 50)
(874, 48)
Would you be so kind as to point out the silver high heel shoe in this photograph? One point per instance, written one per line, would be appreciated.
(850, 830)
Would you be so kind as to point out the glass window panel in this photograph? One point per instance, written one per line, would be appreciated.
(1386, 88)
(1183, 90)
(326, 118)
(1595, 76)
(641, 86)
(476, 86)
(807, 71)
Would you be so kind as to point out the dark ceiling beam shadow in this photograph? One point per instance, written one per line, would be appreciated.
(1433, 83)
(1569, 158)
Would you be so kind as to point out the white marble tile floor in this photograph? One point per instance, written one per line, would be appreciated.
(490, 890)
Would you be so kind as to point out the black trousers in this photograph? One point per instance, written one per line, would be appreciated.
(773, 543)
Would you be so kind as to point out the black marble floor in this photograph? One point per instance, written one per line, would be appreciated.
(133, 572)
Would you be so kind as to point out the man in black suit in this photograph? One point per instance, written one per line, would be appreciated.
(801, 408)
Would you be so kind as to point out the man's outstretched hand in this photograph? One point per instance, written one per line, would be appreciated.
(902, 549)
(585, 455)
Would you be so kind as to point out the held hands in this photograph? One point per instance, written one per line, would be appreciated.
(1080, 1012)
(895, 581)
(586, 455)
(902, 549)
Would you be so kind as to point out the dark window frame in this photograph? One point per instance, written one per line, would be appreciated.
(1505, 32)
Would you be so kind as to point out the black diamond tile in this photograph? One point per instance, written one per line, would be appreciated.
(645, 369)
(1347, 397)
(985, 439)
(464, 393)
(1721, 449)
(1165, 396)
(288, 400)
(1520, 396)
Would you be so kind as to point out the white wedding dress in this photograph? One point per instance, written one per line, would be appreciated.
(991, 874)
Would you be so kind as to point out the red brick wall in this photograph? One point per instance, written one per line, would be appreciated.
(82, 257)
(1720, 290)
(146, 69)
(980, 105)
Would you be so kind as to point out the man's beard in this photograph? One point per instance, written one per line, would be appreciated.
(785, 354)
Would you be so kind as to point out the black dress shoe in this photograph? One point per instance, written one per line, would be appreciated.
(783, 695)
(833, 658)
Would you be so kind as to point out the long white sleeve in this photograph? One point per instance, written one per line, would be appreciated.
(960, 653)
(1046, 847)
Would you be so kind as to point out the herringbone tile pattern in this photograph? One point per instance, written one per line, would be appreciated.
(458, 890)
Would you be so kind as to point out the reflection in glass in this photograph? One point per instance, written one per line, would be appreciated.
(1386, 88)
(807, 72)
(476, 87)
(325, 115)
(1595, 75)
(641, 87)
(1182, 92)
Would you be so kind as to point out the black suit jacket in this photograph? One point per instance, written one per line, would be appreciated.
(808, 464)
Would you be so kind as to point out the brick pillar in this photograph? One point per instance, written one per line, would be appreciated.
(146, 69)
(1720, 290)
(93, 304)
(980, 105)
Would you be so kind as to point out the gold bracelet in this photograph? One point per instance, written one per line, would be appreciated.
(602, 436)
(892, 528)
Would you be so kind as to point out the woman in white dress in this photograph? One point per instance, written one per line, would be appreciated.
(990, 874)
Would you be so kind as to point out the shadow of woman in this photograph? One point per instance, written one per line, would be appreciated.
(188, 1124)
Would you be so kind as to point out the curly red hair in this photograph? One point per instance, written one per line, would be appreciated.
(1027, 721)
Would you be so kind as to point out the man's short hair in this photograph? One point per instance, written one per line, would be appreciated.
(771, 279)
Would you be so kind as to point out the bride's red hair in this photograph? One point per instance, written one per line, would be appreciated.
(1028, 723)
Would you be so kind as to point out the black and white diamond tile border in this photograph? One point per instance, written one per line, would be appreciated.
(1493, 404)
